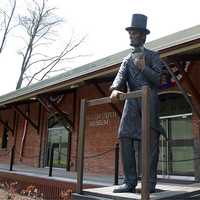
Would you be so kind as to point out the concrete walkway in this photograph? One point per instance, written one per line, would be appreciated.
(63, 175)
(57, 174)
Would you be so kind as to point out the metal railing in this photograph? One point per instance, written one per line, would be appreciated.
(52, 149)
(144, 95)
(116, 176)
(12, 156)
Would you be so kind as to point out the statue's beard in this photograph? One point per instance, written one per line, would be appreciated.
(138, 43)
(134, 44)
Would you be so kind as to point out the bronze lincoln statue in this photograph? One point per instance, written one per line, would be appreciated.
(142, 67)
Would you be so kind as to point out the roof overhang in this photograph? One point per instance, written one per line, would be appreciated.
(180, 43)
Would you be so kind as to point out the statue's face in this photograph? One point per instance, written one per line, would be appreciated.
(137, 38)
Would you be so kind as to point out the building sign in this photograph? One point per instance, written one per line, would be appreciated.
(100, 119)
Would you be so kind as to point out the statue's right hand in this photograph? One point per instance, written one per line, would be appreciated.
(115, 94)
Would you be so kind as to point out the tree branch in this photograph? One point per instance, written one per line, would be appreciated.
(7, 26)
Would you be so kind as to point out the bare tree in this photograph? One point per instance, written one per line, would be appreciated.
(40, 27)
(5, 23)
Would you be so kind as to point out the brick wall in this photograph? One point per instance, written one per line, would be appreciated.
(30, 153)
(101, 129)
(6, 116)
(101, 133)
(194, 76)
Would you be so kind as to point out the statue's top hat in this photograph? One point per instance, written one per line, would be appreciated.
(139, 22)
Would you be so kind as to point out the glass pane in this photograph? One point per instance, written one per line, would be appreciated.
(181, 128)
(59, 136)
(162, 164)
(183, 153)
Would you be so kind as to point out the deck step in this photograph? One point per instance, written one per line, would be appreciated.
(76, 196)
(164, 192)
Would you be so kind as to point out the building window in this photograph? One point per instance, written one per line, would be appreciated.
(60, 137)
(176, 153)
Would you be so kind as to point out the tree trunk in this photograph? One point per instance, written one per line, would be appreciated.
(19, 83)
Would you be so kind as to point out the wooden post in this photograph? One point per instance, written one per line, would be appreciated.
(145, 143)
(81, 144)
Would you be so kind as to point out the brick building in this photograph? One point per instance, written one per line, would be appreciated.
(35, 117)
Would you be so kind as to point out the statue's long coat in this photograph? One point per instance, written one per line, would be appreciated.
(129, 76)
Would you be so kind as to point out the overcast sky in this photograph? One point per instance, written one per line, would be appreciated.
(104, 22)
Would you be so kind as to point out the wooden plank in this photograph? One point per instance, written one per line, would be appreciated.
(95, 102)
(145, 143)
(7, 126)
(131, 95)
(42, 102)
(18, 110)
(63, 115)
(122, 97)
(119, 113)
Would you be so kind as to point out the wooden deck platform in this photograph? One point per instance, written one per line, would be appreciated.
(164, 191)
